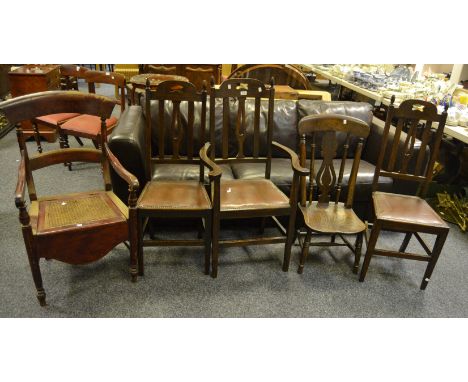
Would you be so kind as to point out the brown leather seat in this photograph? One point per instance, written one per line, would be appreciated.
(255, 194)
(406, 209)
(332, 218)
(174, 195)
(181, 171)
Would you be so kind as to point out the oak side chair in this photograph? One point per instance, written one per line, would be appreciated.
(325, 216)
(163, 198)
(69, 76)
(89, 126)
(411, 215)
(76, 228)
(248, 198)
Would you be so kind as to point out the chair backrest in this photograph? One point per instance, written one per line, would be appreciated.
(233, 135)
(69, 75)
(322, 132)
(283, 74)
(94, 77)
(35, 105)
(175, 139)
(398, 161)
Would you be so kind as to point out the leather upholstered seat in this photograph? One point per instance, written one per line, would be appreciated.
(181, 171)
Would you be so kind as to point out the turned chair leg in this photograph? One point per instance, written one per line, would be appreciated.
(215, 246)
(438, 245)
(291, 234)
(357, 252)
(36, 274)
(63, 141)
(207, 239)
(139, 236)
(370, 248)
(133, 235)
(304, 252)
(406, 241)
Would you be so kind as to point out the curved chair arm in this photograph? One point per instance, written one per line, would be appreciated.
(295, 164)
(216, 171)
(131, 179)
(19, 193)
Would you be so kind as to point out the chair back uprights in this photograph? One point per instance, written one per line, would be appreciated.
(175, 136)
(421, 122)
(94, 77)
(321, 132)
(70, 74)
(237, 143)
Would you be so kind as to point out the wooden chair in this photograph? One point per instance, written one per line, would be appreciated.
(89, 126)
(69, 75)
(74, 228)
(175, 146)
(284, 74)
(411, 215)
(253, 198)
(324, 216)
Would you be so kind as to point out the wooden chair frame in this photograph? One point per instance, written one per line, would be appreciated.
(241, 89)
(77, 246)
(410, 112)
(327, 184)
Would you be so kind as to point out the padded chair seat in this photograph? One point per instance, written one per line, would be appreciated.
(57, 119)
(185, 172)
(87, 125)
(332, 218)
(174, 195)
(255, 194)
(405, 209)
(282, 174)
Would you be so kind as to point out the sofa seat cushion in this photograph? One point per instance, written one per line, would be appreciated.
(281, 175)
(166, 171)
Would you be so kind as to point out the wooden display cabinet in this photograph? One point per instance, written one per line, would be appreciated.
(32, 78)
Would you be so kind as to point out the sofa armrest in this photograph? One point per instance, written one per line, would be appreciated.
(127, 143)
(374, 146)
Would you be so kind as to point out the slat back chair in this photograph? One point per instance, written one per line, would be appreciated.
(88, 126)
(248, 198)
(327, 214)
(404, 213)
(74, 228)
(182, 198)
(69, 75)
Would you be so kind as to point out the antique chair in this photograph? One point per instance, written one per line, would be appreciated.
(248, 198)
(89, 126)
(173, 148)
(69, 75)
(284, 74)
(408, 214)
(75, 228)
(333, 135)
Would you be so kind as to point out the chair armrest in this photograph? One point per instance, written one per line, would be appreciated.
(21, 184)
(295, 164)
(131, 179)
(216, 171)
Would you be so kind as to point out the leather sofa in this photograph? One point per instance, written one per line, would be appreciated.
(127, 143)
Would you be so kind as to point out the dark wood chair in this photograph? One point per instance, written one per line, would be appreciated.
(69, 75)
(284, 74)
(325, 216)
(76, 228)
(175, 146)
(89, 126)
(411, 215)
(248, 198)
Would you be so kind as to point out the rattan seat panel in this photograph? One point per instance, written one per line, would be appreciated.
(77, 211)
(332, 218)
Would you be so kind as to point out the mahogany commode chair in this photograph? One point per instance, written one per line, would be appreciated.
(75, 228)
(408, 214)
(333, 135)
(173, 149)
(248, 198)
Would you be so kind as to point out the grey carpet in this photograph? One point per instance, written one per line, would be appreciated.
(250, 281)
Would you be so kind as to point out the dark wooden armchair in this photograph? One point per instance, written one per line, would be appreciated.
(284, 74)
(74, 228)
(248, 198)
(335, 136)
(408, 214)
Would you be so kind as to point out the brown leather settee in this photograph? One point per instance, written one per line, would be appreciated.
(127, 143)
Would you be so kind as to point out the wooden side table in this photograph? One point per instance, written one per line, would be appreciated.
(32, 78)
